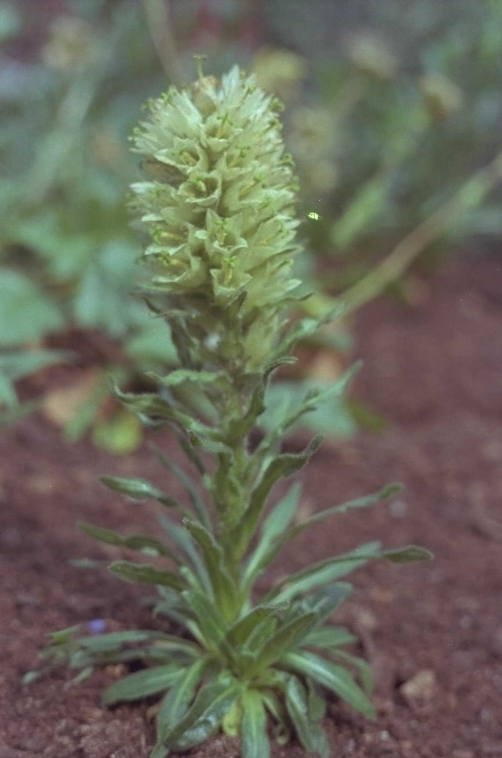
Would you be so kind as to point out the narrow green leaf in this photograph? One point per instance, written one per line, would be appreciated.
(329, 675)
(64, 635)
(241, 631)
(141, 684)
(274, 526)
(189, 485)
(146, 574)
(184, 542)
(407, 554)
(223, 587)
(262, 633)
(362, 667)
(209, 620)
(146, 405)
(283, 465)
(255, 742)
(176, 702)
(287, 636)
(308, 326)
(316, 702)
(309, 733)
(191, 453)
(325, 600)
(328, 637)
(141, 542)
(182, 375)
(104, 643)
(323, 572)
(205, 715)
(361, 502)
(138, 489)
(276, 708)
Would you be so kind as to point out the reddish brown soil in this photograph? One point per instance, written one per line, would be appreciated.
(433, 632)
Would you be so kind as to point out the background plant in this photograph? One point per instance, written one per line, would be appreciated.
(386, 127)
(218, 208)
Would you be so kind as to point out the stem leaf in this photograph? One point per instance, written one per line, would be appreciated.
(146, 574)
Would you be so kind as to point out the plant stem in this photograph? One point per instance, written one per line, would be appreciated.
(472, 192)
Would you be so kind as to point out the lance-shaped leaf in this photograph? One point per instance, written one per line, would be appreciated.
(146, 574)
(224, 589)
(138, 489)
(309, 732)
(362, 502)
(103, 643)
(210, 622)
(307, 326)
(362, 667)
(205, 715)
(408, 554)
(182, 375)
(273, 527)
(177, 701)
(189, 485)
(286, 637)
(276, 708)
(325, 601)
(242, 631)
(184, 542)
(142, 542)
(317, 396)
(153, 409)
(255, 742)
(283, 465)
(328, 637)
(141, 684)
(329, 675)
(323, 572)
(146, 405)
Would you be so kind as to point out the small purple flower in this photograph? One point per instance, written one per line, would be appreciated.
(96, 626)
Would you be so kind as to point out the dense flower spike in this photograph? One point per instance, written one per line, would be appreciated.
(218, 206)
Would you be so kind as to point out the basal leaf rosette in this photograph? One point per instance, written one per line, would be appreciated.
(218, 205)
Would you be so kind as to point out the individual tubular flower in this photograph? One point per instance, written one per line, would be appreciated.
(218, 205)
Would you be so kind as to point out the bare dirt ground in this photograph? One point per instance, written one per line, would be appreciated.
(433, 632)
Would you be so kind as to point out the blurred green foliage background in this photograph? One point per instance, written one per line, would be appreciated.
(393, 119)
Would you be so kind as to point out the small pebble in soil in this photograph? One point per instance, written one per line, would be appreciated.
(420, 687)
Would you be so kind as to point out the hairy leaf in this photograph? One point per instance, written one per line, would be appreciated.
(189, 485)
(176, 702)
(205, 715)
(255, 742)
(274, 526)
(146, 574)
(323, 572)
(329, 675)
(309, 733)
(141, 684)
(138, 489)
(362, 502)
(223, 587)
(407, 554)
(140, 542)
(283, 465)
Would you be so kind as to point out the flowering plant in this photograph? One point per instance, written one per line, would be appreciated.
(217, 204)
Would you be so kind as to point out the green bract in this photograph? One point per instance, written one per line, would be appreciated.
(218, 209)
